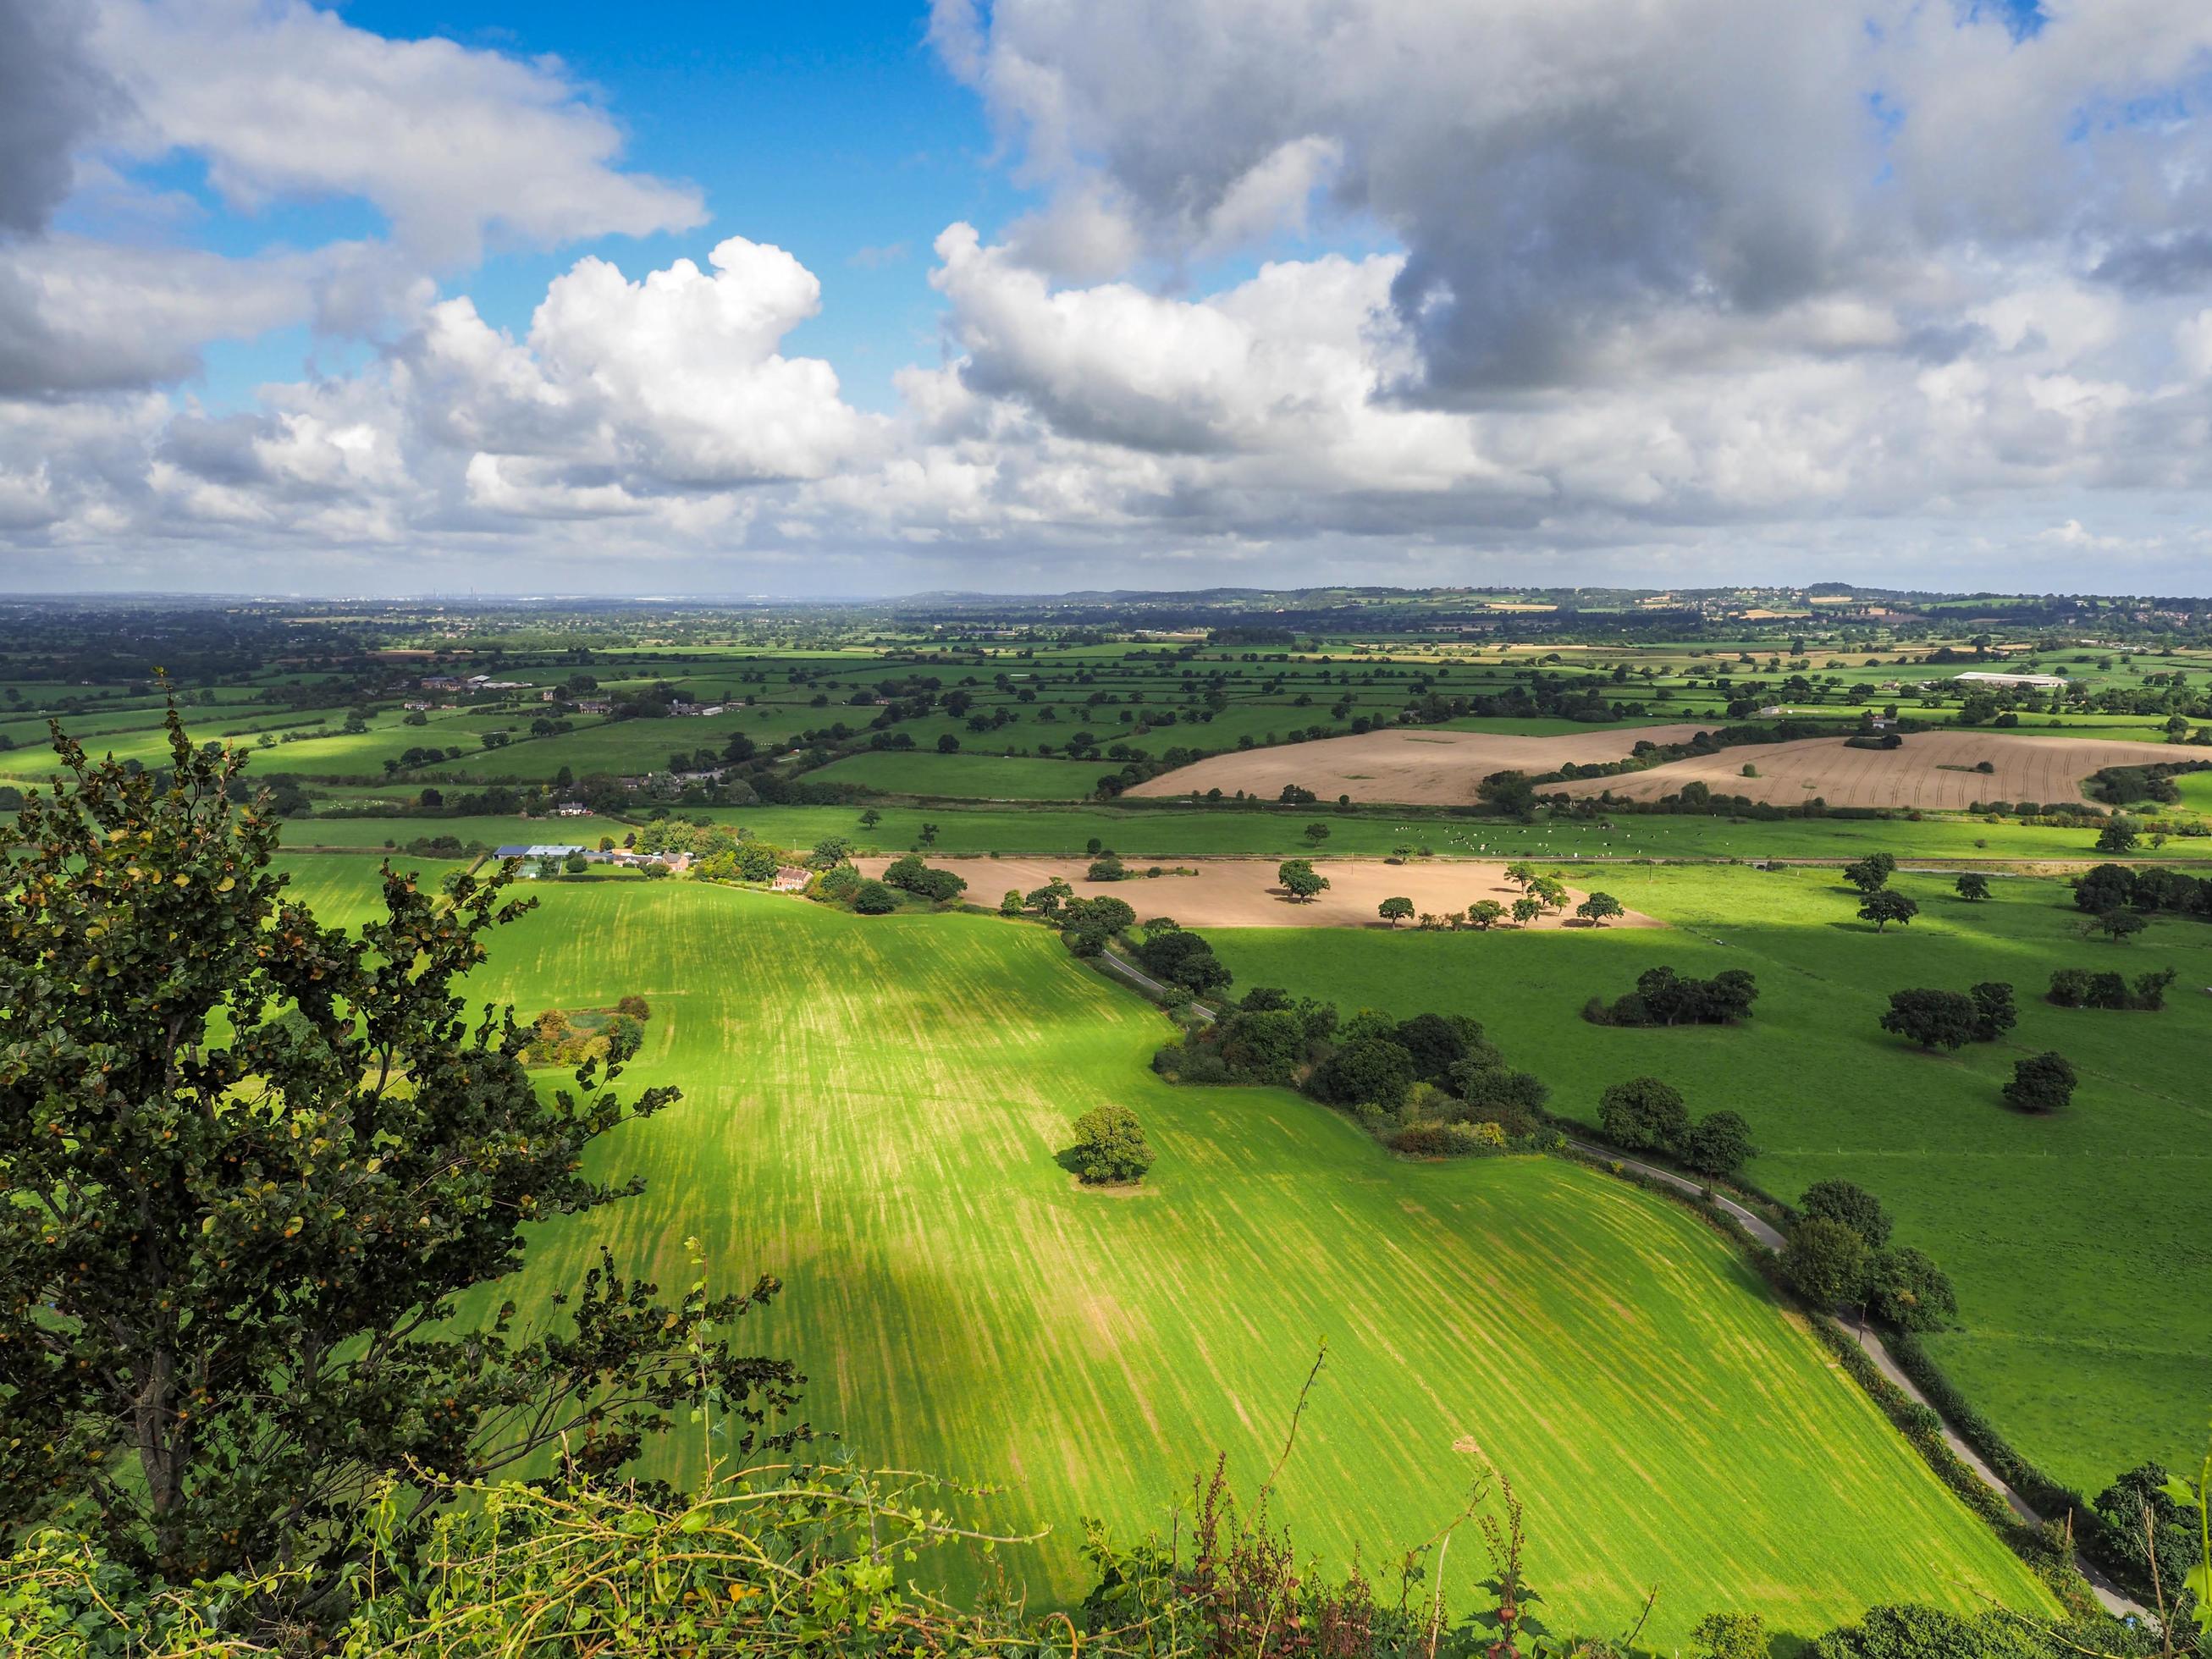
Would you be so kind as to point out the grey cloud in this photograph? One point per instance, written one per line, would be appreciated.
(51, 96)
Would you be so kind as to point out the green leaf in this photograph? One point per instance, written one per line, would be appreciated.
(2181, 1492)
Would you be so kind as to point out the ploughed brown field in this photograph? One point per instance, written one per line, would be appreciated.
(1415, 765)
(1933, 770)
(1243, 893)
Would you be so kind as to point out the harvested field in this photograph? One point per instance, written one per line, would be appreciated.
(1416, 765)
(1933, 771)
(1243, 893)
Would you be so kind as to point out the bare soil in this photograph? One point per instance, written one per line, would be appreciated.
(1413, 764)
(1243, 892)
(1933, 770)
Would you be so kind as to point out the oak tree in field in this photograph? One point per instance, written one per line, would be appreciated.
(1599, 908)
(1871, 873)
(1994, 1013)
(1527, 909)
(1826, 1261)
(1300, 880)
(1110, 1146)
(1883, 907)
(2121, 925)
(254, 1163)
(2118, 835)
(1484, 914)
(2040, 1082)
(1973, 887)
(1394, 910)
(1856, 1208)
(1643, 1114)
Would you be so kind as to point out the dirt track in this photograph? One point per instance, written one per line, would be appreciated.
(1243, 893)
(1933, 771)
(1415, 765)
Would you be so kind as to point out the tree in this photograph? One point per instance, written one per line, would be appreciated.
(1485, 914)
(1856, 1208)
(1106, 868)
(1973, 887)
(1394, 910)
(874, 898)
(1527, 909)
(1010, 903)
(1934, 1019)
(1316, 833)
(2118, 835)
(257, 1161)
(1718, 1144)
(1300, 880)
(1643, 1114)
(1598, 908)
(2173, 1530)
(1881, 907)
(830, 852)
(1046, 900)
(871, 818)
(2121, 925)
(1872, 873)
(1993, 1014)
(1910, 1292)
(1110, 1148)
(575, 863)
(1366, 1071)
(2040, 1082)
(1520, 873)
(1826, 1261)
(1184, 959)
(948, 745)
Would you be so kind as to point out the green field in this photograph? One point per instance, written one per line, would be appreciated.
(2076, 1241)
(972, 777)
(871, 1113)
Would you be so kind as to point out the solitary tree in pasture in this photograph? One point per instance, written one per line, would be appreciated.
(1643, 1114)
(2121, 925)
(1973, 887)
(1599, 908)
(1883, 907)
(1300, 880)
(2040, 1082)
(1110, 1148)
(2118, 835)
(1394, 910)
(1316, 833)
(1872, 873)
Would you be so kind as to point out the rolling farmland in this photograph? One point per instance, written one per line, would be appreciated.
(872, 1110)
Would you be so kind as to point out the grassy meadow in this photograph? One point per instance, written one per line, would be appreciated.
(872, 1112)
(2078, 1243)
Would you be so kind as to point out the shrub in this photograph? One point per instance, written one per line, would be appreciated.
(1110, 1146)
(1643, 1114)
(872, 898)
(1662, 996)
(634, 1006)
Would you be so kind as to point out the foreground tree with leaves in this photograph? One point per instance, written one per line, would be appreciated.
(255, 1163)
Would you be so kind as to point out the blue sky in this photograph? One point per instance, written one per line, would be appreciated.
(830, 131)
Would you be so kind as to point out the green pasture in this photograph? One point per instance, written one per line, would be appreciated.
(986, 777)
(871, 1111)
(2081, 1244)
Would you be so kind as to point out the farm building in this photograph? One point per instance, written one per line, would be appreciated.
(790, 879)
(2042, 681)
(540, 849)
